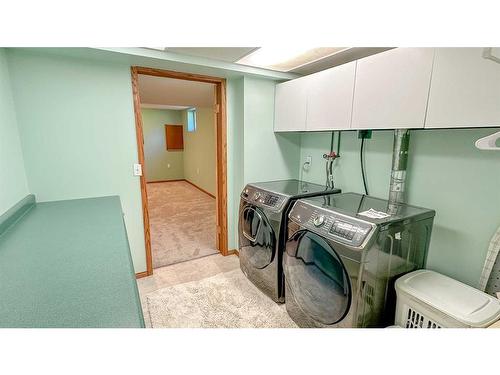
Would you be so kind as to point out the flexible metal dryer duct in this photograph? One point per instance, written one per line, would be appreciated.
(398, 172)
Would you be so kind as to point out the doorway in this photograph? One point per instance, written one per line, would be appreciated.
(163, 197)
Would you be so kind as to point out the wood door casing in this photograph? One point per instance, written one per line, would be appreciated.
(221, 150)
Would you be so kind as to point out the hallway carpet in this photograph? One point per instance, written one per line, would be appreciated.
(227, 300)
(182, 222)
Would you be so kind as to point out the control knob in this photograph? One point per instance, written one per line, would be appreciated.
(319, 220)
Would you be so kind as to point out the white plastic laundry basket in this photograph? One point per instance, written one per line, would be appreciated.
(427, 299)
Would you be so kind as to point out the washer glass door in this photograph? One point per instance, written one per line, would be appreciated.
(257, 238)
(317, 278)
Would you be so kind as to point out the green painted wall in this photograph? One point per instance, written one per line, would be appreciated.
(77, 130)
(161, 164)
(255, 152)
(267, 155)
(446, 173)
(200, 151)
(13, 183)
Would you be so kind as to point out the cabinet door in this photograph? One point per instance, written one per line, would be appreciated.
(290, 105)
(329, 101)
(465, 89)
(392, 88)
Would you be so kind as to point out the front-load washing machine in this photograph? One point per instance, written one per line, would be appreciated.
(343, 256)
(264, 207)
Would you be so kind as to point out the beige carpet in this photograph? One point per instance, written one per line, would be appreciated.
(227, 300)
(182, 222)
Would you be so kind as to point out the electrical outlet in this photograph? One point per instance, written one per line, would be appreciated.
(197, 170)
(307, 163)
(168, 165)
(366, 134)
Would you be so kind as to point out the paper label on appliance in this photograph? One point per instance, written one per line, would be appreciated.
(374, 214)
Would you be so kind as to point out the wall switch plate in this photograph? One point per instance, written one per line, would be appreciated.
(168, 165)
(137, 169)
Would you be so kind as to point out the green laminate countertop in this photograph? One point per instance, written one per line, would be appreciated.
(68, 264)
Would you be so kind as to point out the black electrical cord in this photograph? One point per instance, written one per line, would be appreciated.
(361, 158)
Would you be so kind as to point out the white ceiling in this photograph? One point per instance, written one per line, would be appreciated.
(175, 92)
(228, 54)
(338, 56)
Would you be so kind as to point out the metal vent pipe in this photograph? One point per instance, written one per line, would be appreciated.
(398, 172)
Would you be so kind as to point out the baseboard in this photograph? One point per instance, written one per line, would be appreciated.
(183, 179)
(199, 188)
(141, 274)
(233, 252)
(158, 181)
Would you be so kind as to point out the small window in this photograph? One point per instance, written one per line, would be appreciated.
(191, 120)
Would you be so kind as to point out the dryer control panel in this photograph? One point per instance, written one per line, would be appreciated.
(262, 198)
(331, 224)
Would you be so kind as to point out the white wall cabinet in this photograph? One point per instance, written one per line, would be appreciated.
(400, 88)
(392, 88)
(290, 103)
(465, 89)
(329, 99)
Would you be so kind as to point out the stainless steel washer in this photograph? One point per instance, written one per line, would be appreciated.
(343, 256)
(264, 207)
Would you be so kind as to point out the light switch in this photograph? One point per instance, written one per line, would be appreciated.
(137, 169)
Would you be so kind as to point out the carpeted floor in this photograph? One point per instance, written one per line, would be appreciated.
(227, 300)
(182, 222)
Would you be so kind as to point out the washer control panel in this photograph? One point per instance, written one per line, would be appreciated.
(263, 198)
(344, 229)
(331, 224)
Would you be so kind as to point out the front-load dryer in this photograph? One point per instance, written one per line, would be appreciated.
(343, 256)
(262, 228)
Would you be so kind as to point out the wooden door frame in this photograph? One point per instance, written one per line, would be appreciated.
(221, 160)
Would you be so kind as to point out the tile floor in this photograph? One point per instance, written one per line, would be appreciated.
(184, 272)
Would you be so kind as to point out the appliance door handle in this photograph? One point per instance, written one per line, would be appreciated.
(249, 236)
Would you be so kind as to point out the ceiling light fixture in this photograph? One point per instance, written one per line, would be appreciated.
(285, 59)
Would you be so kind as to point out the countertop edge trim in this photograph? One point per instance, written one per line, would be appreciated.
(16, 212)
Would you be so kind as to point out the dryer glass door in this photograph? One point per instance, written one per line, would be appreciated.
(257, 238)
(317, 278)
